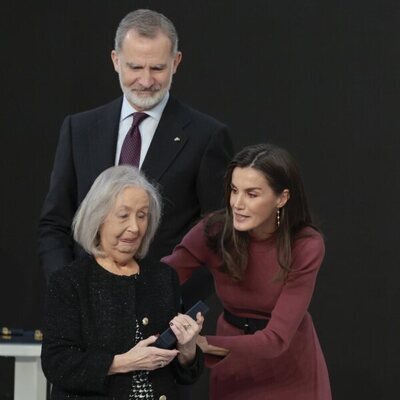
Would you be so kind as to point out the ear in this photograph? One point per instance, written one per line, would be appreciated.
(177, 60)
(115, 60)
(283, 198)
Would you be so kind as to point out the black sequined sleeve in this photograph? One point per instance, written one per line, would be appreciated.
(65, 361)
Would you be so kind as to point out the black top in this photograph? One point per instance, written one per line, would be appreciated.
(90, 316)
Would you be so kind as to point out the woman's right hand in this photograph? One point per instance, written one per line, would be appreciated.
(143, 356)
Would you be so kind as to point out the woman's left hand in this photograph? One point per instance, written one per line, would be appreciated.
(186, 331)
(210, 349)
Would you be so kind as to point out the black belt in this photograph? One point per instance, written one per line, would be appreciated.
(247, 325)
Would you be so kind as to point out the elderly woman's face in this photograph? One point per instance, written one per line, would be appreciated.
(124, 227)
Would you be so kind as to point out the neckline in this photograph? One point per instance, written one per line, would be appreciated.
(108, 274)
(264, 240)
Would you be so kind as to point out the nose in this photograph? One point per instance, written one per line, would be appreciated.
(146, 78)
(237, 201)
(133, 225)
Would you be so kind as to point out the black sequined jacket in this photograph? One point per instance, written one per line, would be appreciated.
(90, 316)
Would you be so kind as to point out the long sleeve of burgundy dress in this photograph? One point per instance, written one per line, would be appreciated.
(283, 361)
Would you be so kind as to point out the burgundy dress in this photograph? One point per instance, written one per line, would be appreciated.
(284, 361)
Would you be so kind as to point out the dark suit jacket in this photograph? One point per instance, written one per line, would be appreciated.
(189, 172)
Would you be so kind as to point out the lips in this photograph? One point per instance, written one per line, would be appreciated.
(151, 90)
(129, 241)
(240, 217)
(144, 91)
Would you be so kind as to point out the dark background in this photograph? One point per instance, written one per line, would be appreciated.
(320, 78)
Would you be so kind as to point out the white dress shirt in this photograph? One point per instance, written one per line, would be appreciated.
(147, 127)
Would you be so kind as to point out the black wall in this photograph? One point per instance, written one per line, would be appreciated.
(320, 78)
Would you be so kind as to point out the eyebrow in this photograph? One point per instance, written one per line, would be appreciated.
(137, 65)
(122, 206)
(248, 189)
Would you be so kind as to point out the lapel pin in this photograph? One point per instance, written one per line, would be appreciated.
(177, 139)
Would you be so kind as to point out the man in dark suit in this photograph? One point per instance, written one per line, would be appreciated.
(184, 151)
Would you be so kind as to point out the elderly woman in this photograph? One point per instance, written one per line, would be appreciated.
(104, 311)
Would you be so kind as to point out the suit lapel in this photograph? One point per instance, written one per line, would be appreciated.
(169, 139)
(103, 138)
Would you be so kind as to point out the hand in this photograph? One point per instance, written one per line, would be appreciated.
(209, 348)
(142, 357)
(185, 328)
(186, 331)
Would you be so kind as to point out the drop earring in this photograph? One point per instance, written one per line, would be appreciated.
(278, 217)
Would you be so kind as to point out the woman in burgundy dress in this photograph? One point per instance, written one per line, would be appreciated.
(264, 253)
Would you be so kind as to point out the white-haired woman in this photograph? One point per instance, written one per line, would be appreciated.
(104, 311)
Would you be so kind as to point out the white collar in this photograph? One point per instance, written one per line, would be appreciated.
(127, 110)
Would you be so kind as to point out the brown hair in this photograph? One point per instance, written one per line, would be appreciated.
(281, 172)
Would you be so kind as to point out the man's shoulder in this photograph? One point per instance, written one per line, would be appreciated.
(186, 111)
(113, 106)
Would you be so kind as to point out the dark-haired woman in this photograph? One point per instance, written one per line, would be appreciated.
(264, 253)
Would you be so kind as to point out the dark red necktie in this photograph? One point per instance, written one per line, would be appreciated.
(130, 151)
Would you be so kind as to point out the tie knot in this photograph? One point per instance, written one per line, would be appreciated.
(138, 117)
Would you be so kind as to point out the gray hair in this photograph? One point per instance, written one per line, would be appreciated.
(100, 200)
(146, 23)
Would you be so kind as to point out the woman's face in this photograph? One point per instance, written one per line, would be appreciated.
(254, 204)
(125, 226)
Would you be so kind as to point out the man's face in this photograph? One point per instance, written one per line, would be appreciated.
(145, 67)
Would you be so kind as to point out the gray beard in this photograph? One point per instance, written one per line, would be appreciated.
(145, 102)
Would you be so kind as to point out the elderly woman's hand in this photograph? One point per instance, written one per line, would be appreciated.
(186, 331)
(142, 357)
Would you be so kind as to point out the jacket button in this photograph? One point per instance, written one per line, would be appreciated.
(145, 321)
(163, 397)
